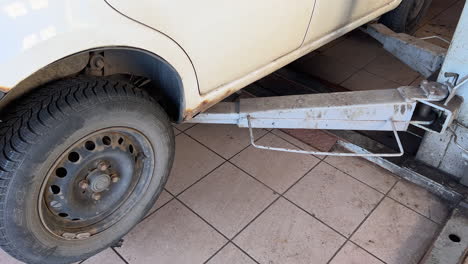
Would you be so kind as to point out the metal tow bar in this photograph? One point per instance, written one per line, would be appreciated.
(379, 110)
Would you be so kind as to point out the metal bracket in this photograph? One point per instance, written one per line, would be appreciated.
(319, 153)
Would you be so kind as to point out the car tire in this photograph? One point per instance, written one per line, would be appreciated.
(405, 18)
(105, 145)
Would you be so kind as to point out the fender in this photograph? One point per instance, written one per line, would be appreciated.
(46, 32)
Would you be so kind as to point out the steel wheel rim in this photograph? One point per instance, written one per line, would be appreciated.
(95, 182)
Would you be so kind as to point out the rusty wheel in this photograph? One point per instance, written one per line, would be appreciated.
(95, 181)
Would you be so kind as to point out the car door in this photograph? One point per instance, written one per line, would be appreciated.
(225, 40)
(332, 15)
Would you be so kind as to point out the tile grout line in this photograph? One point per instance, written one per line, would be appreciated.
(362, 222)
(120, 256)
(279, 194)
(315, 149)
(214, 228)
(407, 207)
(398, 179)
(375, 189)
(282, 195)
(260, 213)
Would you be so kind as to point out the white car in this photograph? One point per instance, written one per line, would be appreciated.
(89, 88)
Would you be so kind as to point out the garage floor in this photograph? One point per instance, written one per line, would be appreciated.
(227, 202)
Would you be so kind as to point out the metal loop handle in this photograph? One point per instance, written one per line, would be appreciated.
(342, 154)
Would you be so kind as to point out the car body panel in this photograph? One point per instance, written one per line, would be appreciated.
(226, 39)
(332, 15)
(68, 27)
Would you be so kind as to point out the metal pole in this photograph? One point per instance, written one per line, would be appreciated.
(448, 151)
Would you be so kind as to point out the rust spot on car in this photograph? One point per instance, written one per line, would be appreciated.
(4, 89)
(205, 104)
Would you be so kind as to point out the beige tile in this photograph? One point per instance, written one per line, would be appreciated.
(420, 200)
(7, 259)
(228, 199)
(163, 198)
(326, 68)
(279, 170)
(389, 67)
(429, 30)
(192, 161)
(286, 234)
(335, 198)
(107, 256)
(226, 140)
(418, 81)
(176, 131)
(183, 126)
(310, 139)
(172, 235)
(363, 80)
(358, 49)
(396, 234)
(364, 171)
(231, 255)
(298, 143)
(352, 254)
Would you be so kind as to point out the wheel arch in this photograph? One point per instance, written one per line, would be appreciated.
(166, 83)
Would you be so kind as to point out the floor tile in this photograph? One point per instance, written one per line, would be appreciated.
(231, 255)
(192, 161)
(286, 234)
(327, 68)
(418, 81)
(176, 131)
(420, 200)
(358, 49)
(228, 199)
(279, 170)
(172, 235)
(352, 254)
(390, 68)
(107, 256)
(364, 171)
(7, 259)
(183, 126)
(296, 141)
(429, 30)
(318, 140)
(363, 81)
(396, 234)
(334, 197)
(226, 140)
(163, 198)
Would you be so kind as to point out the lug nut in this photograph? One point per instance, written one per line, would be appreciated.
(96, 196)
(83, 184)
(102, 166)
(115, 179)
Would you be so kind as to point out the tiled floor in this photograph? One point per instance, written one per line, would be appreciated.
(358, 62)
(238, 204)
(227, 202)
(255, 206)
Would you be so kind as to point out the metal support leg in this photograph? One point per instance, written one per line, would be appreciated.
(448, 150)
